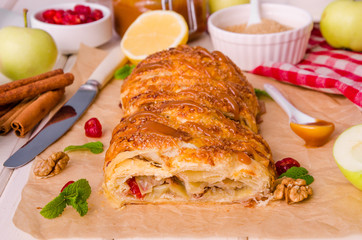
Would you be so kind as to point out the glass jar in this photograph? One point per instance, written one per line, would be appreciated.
(194, 12)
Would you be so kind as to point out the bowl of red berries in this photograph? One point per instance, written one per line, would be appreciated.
(73, 24)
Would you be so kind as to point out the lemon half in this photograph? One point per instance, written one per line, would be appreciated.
(154, 31)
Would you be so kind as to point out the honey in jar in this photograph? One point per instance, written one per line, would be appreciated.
(194, 12)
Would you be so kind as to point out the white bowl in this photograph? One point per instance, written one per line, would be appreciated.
(69, 37)
(251, 50)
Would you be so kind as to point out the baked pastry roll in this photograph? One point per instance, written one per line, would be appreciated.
(189, 134)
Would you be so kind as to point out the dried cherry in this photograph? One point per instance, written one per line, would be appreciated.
(283, 165)
(66, 185)
(93, 128)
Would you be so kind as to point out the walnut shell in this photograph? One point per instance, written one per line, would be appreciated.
(51, 166)
(292, 190)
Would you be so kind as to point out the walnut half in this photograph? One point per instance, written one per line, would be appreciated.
(292, 190)
(51, 166)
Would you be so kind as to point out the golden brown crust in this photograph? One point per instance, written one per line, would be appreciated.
(192, 73)
(187, 109)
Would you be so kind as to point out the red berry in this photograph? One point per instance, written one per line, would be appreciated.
(82, 18)
(66, 185)
(135, 190)
(48, 14)
(71, 12)
(71, 19)
(68, 19)
(49, 21)
(283, 165)
(82, 9)
(93, 128)
(97, 14)
(80, 14)
(58, 17)
(88, 20)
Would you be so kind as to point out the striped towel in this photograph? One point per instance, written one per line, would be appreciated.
(323, 68)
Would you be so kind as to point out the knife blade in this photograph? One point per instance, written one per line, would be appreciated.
(70, 112)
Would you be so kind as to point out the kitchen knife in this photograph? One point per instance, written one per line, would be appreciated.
(69, 113)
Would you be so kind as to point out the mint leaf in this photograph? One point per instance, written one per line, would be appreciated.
(72, 199)
(77, 202)
(81, 207)
(295, 172)
(298, 172)
(124, 71)
(79, 188)
(261, 93)
(94, 147)
(308, 179)
(75, 195)
(54, 208)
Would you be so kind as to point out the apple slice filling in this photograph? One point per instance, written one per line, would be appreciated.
(150, 188)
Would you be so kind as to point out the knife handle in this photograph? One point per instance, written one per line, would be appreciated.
(104, 72)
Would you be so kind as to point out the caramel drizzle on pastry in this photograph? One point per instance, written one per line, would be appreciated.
(191, 95)
(162, 129)
(182, 103)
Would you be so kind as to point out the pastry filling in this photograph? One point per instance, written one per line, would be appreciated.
(153, 182)
(150, 188)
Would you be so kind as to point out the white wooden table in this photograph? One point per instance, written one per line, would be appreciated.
(13, 181)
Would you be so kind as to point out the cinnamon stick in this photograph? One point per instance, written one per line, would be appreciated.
(6, 108)
(5, 120)
(35, 88)
(36, 111)
(25, 81)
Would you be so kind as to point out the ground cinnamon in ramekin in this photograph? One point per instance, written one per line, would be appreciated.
(266, 26)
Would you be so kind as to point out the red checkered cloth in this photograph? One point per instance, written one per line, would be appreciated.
(323, 68)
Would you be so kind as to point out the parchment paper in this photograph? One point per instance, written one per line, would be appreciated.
(334, 210)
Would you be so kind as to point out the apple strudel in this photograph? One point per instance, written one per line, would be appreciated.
(189, 134)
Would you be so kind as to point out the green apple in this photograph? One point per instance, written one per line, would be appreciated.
(215, 5)
(26, 52)
(341, 24)
(347, 152)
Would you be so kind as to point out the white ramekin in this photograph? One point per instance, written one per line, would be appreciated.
(251, 50)
(69, 37)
